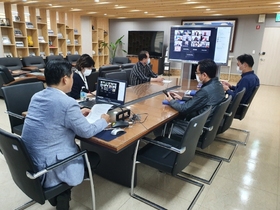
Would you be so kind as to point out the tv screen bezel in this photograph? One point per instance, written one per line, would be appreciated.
(205, 26)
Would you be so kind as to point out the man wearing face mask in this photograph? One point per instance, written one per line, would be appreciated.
(84, 67)
(142, 72)
(211, 92)
(249, 79)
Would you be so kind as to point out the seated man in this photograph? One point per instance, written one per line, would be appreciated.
(142, 72)
(249, 79)
(211, 93)
(50, 127)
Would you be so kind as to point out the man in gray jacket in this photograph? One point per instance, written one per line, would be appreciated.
(211, 92)
(50, 127)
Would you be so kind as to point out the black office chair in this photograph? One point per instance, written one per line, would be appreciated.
(72, 58)
(240, 113)
(171, 155)
(121, 75)
(106, 69)
(120, 60)
(128, 72)
(25, 174)
(37, 61)
(54, 57)
(11, 63)
(92, 80)
(207, 137)
(6, 79)
(17, 99)
(127, 65)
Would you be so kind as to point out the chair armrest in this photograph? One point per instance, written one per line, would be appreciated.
(228, 114)
(246, 105)
(208, 128)
(55, 165)
(30, 68)
(19, 80)
(15, 115)
(164, 145)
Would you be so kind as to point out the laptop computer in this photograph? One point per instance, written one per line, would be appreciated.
(108, 91)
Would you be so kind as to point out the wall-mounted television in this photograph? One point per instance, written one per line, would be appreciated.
(192, 43)
(151, 41)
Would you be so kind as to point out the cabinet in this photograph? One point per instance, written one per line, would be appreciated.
(100, 33)
(60, 36)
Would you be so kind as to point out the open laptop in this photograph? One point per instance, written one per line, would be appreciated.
(108, 91)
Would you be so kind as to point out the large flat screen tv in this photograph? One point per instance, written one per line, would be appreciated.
(151, 41)
(192, 43)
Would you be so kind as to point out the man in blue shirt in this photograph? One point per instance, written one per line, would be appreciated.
(249, 79)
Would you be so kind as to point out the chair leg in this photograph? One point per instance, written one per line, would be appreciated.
(209, 181)
(235, 146)
(247, 133)
(91, 182)
(150, 203)
(26, 205)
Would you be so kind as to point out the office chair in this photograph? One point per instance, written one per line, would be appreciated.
(72, 58)
(128, 72)
(11, 63)
(171, 155)
(106, 69)
(25, 174)
(127, 65)
(54, 57)
(121, 75)
(17, 99)
(37, 61)
(6, 79)
(207, 137)
(120, 60)
(92, 80)
(240, 114)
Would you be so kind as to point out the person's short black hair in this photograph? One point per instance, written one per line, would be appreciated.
(208, 66)
(246, 58)
(84, 61)
(55, 70)
(142, 55)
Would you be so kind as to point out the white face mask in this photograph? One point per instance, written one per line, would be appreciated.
(149, 60)
(197, 78)
(87, 72)
(238, 70)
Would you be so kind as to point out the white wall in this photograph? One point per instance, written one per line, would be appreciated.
(247, 37)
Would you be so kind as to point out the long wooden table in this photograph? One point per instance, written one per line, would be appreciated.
(116, 155)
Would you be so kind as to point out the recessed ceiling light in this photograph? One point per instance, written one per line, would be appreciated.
(96, 0)
(146, 12)
(105, 14)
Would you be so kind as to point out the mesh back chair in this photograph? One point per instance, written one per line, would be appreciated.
(171, 155)
(54, 57)
(6, 79)
(240, 113)
(25, 174)
(17, 99)
(37, 61)
(11, 63)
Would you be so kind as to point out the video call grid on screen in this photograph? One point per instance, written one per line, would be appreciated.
(111, 91)
(195, 43)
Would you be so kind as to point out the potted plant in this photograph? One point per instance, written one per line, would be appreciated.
(113, 47)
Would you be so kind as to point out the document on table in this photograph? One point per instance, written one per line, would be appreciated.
(96, 111)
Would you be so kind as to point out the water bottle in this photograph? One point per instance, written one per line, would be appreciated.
(83, 95)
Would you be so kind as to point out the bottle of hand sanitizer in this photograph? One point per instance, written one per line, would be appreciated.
(83, 95)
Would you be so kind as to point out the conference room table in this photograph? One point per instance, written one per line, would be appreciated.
(145, 100)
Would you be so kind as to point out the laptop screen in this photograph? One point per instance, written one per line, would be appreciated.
(110, 91)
